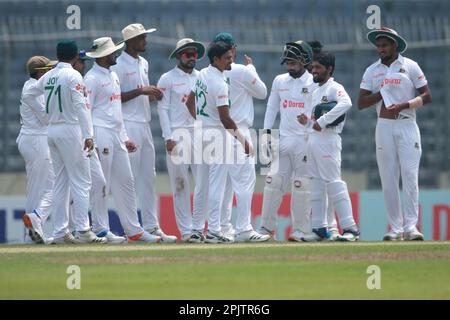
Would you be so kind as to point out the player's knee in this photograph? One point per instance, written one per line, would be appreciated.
(337, 190)
(318, 190)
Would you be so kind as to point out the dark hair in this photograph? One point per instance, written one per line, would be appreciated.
(66, 50)
(326, 59)
(316, 46)
(217, 49)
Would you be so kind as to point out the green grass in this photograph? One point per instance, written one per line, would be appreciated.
(289, 271)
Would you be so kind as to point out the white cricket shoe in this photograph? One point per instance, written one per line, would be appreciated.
(216, 238)
(393, 236)
(145, 237)
(296, 236)
(251, 236)
(230, 234)
(264, 231)
(68, 238)
(414, 235)
(34, 225)
(196, 236)
(164, 237)
(334, 234)
(88, 237)
(349, 235)
(112, 238)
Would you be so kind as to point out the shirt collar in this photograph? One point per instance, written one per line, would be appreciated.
(64, 65)
(100, 68)
(400, 59)
(129, 58)
(182, 73)
(303, 78)
(327, 83)
(215, 70)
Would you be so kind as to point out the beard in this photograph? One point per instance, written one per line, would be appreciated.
(319, 78)
(295, 74)
(188, 65)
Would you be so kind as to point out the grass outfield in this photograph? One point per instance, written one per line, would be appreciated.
(238, 271)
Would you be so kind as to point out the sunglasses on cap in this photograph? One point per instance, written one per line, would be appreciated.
(190, 54)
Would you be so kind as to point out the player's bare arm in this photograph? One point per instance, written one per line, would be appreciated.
(368, 99)
(151, 91)
(190, 104)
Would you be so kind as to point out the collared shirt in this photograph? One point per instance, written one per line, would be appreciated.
(33, 118)
(332, 91)
(397, 83)
(103, 91)
(133, 74)
(244, 85)
(291, 97)
(65, 97)
(211, 91)
(173, 113)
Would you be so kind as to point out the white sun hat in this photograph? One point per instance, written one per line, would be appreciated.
(103, 47)
(133, 30)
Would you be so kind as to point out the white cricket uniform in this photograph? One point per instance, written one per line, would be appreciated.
(397, 140)
(244, 85)
(291, 97)
(133, 74)
(177, 124)
(69, 126)
(33, 146)
(211, 91)
(324, 158)
(104, 98)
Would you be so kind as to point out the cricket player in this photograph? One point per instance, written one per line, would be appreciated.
(212, 109)
(324, 153)
(33, 146)
(244, 84)
(132, 70)
(70, 139)
(178, 132)
(103, 89)
(291, 96)
(390, 84)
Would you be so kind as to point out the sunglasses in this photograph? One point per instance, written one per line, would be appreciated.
(190, 55)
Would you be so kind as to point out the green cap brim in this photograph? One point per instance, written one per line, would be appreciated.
(373, 35)
(197, 45)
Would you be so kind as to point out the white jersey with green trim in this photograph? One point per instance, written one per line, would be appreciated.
(211, 91)
(65, 97)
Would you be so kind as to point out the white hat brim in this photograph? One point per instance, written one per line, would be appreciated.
(104, 53)
(194, 44)
(140, 33)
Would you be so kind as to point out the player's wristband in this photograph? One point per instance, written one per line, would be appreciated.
(415, 103)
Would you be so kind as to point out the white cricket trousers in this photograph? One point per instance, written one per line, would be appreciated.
(178, 164)
(71, 166)
(324, 166)
(143, 167)
(116, 168)
(241, 171)
(40, 175)
(398, 154)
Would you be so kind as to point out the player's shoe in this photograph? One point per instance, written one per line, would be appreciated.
(251, 236)
(264, 231)
(216, 238)
(349, 235)
(230, 234)
(414, 235)
(334, 234)
(393, 236)
(296, 236)
(196, 237)
(185, 237)
(145, 237)
(68, 238)
(164, 237)
(111, 237)
(88, 237)
(34, 225)
(318, 234)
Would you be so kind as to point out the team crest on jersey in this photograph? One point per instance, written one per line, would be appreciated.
(324, 99)
(105, 151)
(402, 70)
(305, 90)
(417, 145)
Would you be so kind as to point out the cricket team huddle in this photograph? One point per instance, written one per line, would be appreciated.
(85, 136)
